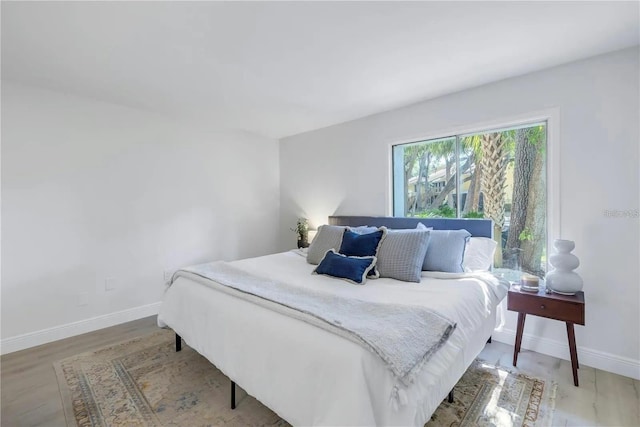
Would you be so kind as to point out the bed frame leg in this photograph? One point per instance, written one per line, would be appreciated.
(233, 395)
(450, 398)
(178, 343)
(489, 340)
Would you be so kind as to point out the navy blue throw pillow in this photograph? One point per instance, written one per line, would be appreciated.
(352, 269)
(356, 244)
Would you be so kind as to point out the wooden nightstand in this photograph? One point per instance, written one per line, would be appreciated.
(568, 309)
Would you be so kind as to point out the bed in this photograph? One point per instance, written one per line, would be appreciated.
(311, 376)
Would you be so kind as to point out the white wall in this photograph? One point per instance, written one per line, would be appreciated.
(345, 169)
(94, 191)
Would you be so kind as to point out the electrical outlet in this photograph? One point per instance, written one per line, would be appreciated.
(83, 298)
(109, 284)
(168, 274)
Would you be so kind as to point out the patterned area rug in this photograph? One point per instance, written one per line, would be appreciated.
(488, 395)
(144, 382)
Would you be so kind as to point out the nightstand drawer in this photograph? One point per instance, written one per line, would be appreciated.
(537, 305)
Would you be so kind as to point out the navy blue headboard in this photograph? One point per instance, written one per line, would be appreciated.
(477, 227)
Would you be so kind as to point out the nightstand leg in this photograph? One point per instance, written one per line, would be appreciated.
(233, 395)
(574, 352)
(516, 350)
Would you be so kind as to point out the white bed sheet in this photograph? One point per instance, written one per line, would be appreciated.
(310, 376)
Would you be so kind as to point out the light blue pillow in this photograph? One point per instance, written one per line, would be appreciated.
(446, 250)
(402, 254)
(352, 269)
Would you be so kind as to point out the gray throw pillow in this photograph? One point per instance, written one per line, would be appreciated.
(328, 237)
(402, 254)
(446, 251)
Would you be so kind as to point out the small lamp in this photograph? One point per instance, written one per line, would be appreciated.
(312, 235)
(562, 279)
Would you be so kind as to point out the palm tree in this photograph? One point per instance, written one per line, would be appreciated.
(493, 164)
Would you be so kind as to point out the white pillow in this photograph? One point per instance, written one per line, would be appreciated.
(445, 275)
(478, 255)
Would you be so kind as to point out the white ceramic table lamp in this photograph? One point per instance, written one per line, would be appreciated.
(562, 279)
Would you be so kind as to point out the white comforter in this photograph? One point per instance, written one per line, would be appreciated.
(310, 376)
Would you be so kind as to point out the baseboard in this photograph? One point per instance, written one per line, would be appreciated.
(586, 356)
(32, 339)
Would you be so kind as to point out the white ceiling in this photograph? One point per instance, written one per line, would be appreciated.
(281, 68)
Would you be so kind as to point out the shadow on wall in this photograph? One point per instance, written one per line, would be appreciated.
(317, 213)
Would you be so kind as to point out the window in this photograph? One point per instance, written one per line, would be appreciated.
(502, 176)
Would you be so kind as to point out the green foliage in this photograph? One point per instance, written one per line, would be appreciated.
(525, 235)
(444, 211)
(302, 228)
(473, 214)
(411, 154)
(432, 151)
(443, 149)
(472, 145)
(537, 136)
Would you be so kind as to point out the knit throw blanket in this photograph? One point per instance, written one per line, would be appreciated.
(403, 336)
